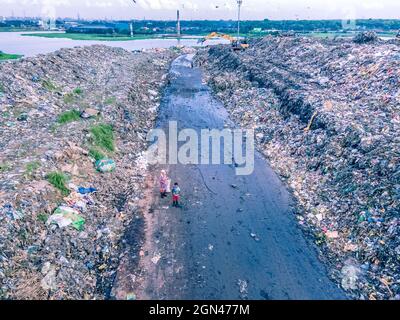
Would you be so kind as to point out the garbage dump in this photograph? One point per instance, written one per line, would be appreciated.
(326, 114)
(73, 127)
(365, 37)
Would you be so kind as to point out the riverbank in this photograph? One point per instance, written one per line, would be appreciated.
(7, 56)
(67, 119)
(100, 37)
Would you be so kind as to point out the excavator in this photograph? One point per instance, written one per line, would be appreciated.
(237, 44)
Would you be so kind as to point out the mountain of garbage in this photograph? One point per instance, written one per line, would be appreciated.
(72, 125)
(327, 116)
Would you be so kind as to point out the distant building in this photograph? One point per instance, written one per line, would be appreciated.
(48, 24)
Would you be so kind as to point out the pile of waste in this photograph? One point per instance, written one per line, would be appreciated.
(327, 116)
(365, 37)
(73, 126)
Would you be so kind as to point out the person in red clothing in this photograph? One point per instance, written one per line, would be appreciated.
(176, 191)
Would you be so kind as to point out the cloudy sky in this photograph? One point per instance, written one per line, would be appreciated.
(203, 9)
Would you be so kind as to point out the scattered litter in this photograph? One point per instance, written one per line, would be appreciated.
(130, 296)
(156, 258)
(90, 113)
(35, 93)
(65, 216)
(242, 287)
(255, 237)
(343, 169)
(105, 165)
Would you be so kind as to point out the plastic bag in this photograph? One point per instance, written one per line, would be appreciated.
(65, 216)
(105, 165)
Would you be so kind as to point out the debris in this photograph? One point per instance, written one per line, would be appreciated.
(156, 258)
(90, 113)
(65, 216)
(350, 274)
(243, 287)
(83, 190)
(105, 165)
(49, 281)
(37, 92)
(366, 37)
(130, 296)
(344, 168)
(332, 234)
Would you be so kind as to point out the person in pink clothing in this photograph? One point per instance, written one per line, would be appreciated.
(163, 183)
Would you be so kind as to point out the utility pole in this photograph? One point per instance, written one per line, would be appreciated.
(239, 3)
(178, 24)
(131, 24)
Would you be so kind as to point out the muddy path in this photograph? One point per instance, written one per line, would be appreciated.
(235, 237)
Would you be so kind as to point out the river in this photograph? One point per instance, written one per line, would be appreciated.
(16, 43)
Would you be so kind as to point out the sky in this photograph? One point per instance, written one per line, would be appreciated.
(203, 9)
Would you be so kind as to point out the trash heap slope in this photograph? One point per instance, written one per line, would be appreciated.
(73, 127)
(326, 115)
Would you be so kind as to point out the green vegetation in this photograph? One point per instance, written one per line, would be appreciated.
(18, 29)
(48, 85)
(42, 217)
(7, 56)
(103, 136)
(96, 154)
(58, 180)
(1, 88)
(31, 167)
(4, 167)
(69, 116)
(78, 91)
(72, 97)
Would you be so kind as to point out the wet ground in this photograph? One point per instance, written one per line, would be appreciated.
(235, 237)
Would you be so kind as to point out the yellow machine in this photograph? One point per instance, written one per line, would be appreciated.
(236, 44)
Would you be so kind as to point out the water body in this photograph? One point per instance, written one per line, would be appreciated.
(14, 42)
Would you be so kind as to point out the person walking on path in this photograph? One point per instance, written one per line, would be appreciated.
(163, 183)
(176, 191)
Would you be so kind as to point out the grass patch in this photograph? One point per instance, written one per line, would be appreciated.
(1, 88)
(71, 97)
(77, 91)
(31, 167)
(7, 56)
(48, 85)
(42, 217)
(110, 100)
(96, 154)
(58, 180)
(69, 116)
(4, 167)
(103, 136)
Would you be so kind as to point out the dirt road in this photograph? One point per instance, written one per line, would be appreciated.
(235, 236)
